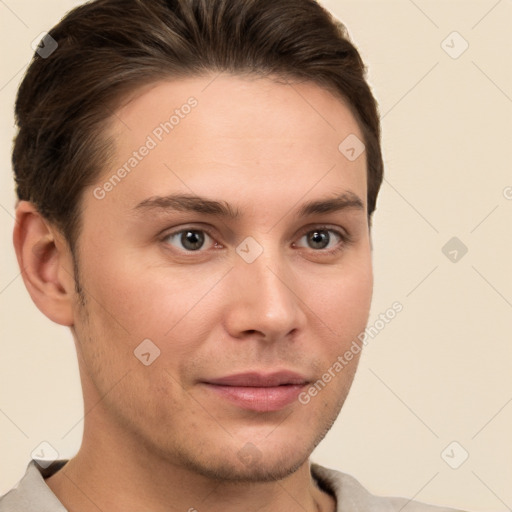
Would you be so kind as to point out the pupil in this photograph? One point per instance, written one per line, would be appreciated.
(192, 240)
(319, 238)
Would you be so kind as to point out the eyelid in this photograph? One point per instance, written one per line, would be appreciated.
(325, 227)
(344, 236)
(166, 234)
(184, 227)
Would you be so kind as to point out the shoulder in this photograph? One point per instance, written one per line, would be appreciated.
(31, 493)
(351, 495)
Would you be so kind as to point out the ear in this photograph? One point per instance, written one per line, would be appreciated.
(46, 264)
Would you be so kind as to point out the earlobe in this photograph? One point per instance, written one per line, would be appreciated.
(46, 264)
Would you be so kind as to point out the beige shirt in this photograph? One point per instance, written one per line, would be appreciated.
(31, 494)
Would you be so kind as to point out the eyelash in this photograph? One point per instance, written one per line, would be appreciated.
(344, 237)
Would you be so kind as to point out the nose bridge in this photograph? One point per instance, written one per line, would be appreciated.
(265, 301)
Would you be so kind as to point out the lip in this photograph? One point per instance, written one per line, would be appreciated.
(260, 392)
(260, 379)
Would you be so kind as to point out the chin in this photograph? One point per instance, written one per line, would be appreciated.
(261, 470)
(235, 462)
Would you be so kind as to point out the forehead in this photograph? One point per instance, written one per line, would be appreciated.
(224, 134)
(249, 103)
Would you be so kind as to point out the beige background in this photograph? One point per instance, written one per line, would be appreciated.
(440, 371)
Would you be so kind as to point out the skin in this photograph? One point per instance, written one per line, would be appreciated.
(155, 437)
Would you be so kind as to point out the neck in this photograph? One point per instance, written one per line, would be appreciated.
(115, 474)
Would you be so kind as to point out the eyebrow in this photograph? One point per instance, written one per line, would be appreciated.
(198, 204)
(345, 201)
(189, 203)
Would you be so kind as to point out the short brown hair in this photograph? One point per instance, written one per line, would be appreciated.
(108, 48)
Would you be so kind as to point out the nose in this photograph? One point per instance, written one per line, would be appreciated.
(265, 301)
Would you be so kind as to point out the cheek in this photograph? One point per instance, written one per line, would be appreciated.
(342, 298)
(135, 299)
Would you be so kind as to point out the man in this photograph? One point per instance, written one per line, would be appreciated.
(196, 182)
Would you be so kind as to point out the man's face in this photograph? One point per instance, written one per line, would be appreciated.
(237, 302)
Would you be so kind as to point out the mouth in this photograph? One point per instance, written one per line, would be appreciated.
(259, 392)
